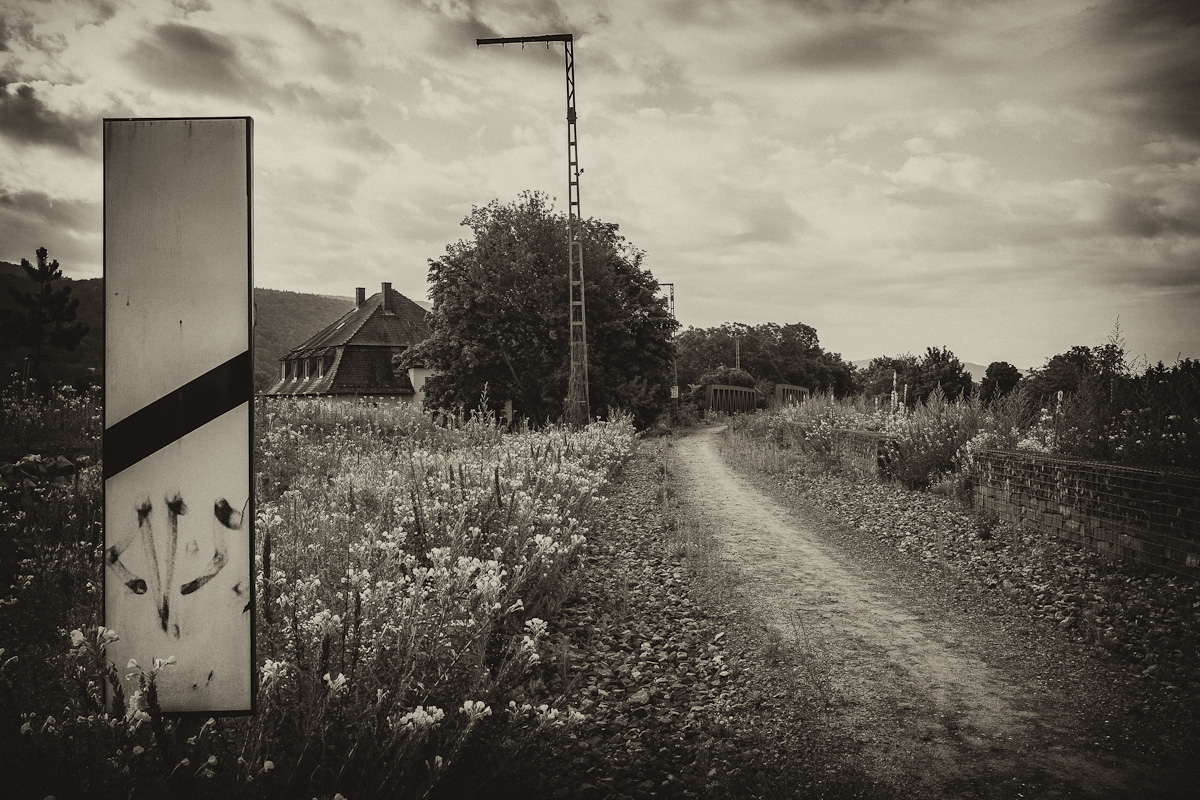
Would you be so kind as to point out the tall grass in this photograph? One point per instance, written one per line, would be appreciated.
(409, 569)
(935, 442)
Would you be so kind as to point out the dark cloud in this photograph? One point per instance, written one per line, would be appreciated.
(863, 44)
(337, 47)
(190, 59)
(69, 229)
(1122, 19)
(458, 23)
(1166, 96)
(26, 118)
(666, 85)
(189, 7)
(323, 105)
(765, 217)
(17, 25)
(1160, 43)
(103, 11)
(1166, 274)
(1148, 217)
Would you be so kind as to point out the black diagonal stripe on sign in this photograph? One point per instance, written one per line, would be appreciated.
(177, 414)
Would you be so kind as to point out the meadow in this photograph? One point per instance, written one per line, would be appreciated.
(409, 573)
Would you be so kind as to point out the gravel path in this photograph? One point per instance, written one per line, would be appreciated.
(727, 641)
(944, 701)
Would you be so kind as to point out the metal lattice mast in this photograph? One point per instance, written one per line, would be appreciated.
(674, 362)
(578, 404)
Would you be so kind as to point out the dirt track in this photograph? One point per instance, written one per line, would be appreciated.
(939, 700)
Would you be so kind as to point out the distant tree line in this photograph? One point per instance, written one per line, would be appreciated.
(768, 354)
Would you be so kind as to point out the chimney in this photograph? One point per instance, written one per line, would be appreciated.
(387, 303)
(360, 296)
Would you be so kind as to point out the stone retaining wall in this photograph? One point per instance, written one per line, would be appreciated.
(1149, 516)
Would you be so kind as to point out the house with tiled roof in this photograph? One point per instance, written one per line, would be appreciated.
(353, 357)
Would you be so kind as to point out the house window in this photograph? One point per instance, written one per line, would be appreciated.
(283, 371)
(321, 367)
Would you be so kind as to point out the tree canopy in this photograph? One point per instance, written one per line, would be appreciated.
(877, 378)
(500, 317)
(941, 368)
(1000, 379)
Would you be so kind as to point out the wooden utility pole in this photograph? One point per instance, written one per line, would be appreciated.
(577, 409)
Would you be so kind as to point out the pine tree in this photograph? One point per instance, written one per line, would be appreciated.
(44, 316)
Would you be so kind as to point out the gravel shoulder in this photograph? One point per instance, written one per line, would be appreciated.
(948, 693)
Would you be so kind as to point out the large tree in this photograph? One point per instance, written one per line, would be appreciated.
(1000, 379)
(941, 368)
(500, 317)
(885, 371)
(43, 317)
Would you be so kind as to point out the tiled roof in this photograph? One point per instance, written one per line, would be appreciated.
(362, 343)
(369, 370)
(403, 324)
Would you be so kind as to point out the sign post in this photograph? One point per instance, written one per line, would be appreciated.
(178, 407)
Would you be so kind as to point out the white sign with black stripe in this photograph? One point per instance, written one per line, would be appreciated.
(178, 407)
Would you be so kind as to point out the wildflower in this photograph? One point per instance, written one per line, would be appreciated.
(268, 766)
(335, 684)
(138, 749)
(419, 717)
(476, 709)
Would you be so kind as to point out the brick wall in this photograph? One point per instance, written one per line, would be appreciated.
(1144, 515)
(863, 452)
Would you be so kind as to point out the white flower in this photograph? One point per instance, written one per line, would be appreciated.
(420, 717)
(475, 709)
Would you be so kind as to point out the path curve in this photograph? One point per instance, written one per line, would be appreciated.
(914, 689)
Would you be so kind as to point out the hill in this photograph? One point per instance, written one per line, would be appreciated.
(284, 320)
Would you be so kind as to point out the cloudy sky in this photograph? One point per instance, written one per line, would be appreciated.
(1002, 178)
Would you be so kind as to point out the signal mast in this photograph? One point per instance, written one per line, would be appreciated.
(578, 406)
